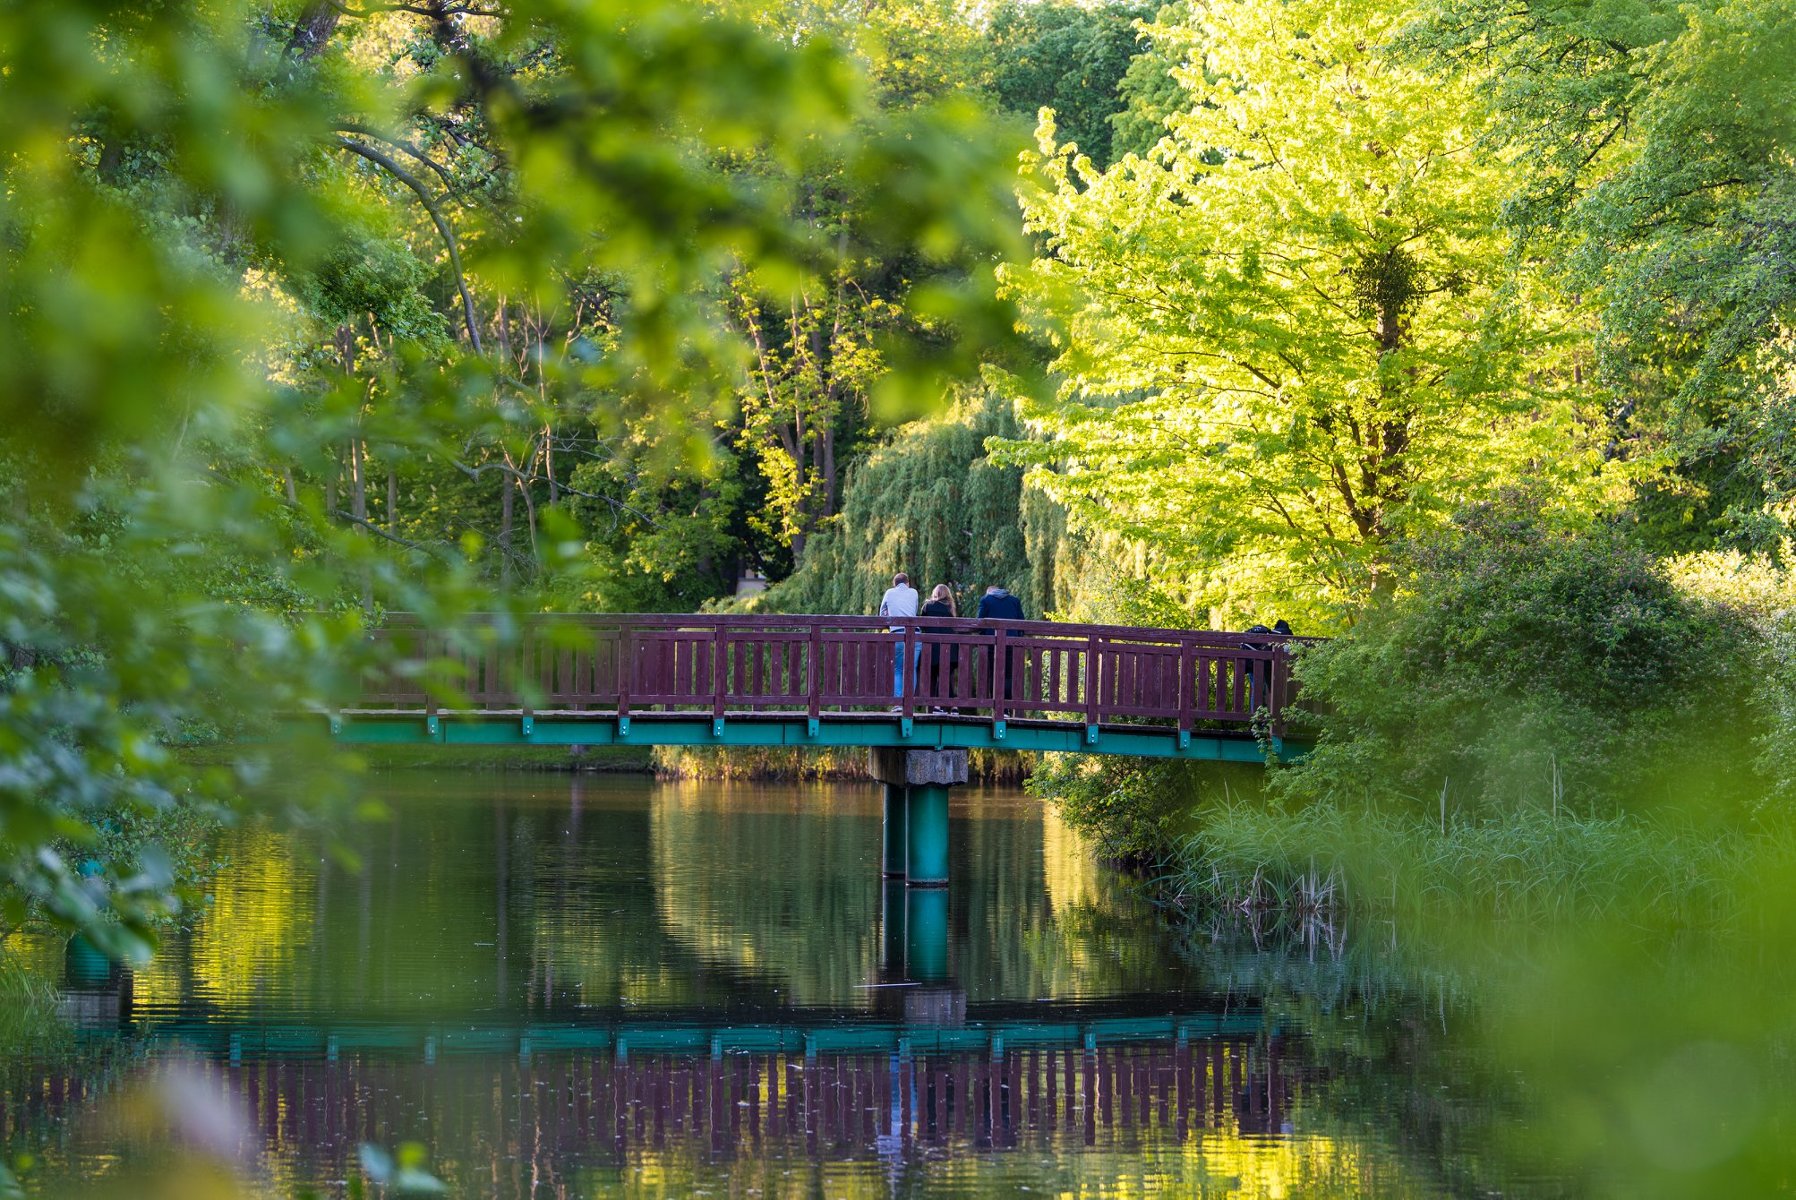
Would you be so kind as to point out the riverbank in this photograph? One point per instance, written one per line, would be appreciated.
(761, 764)
(1527, 865)
(630, 760)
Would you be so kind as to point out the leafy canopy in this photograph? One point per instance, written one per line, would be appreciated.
(250, 253)
(1291, 333)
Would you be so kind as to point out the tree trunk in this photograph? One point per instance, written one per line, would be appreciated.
(549, 463)
(313, 29)
(358, 481)
(826, 466)
(505, 522)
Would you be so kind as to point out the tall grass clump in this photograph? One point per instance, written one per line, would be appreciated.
(29, 1023)
(1527, 864)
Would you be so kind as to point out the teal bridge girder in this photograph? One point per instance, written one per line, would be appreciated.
(427, 1042)
(518, 728)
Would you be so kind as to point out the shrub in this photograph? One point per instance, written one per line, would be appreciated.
(1524, 662)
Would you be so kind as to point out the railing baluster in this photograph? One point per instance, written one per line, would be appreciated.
(1184, 688)
(720, 647)
(813, 687)
(626, 668)
(910, 641)
(1092, 681)
(1000, 673)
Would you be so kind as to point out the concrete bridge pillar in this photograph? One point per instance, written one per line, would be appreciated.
(923, 778)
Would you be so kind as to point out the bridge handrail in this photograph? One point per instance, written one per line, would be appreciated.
(855, 621)
(732, 664)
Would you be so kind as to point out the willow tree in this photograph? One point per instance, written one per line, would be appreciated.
(928, 502)
(1292, 333)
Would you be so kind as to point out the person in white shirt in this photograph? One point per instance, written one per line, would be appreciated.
(900, 600)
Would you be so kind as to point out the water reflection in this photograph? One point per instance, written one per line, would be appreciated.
(564, 1119)
(514, 895)
(617, 987)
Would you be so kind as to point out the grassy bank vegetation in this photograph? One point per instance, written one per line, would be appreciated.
(780, 762)
(29, 1024)
(1530, 864)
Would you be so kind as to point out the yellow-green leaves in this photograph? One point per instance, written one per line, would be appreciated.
(1294, 321)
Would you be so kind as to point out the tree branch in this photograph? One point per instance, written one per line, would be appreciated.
(382, 159)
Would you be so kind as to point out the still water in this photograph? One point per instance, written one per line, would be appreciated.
(550, 987)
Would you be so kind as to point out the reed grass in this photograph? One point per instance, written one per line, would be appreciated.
(29, 1023)
(1530, 864)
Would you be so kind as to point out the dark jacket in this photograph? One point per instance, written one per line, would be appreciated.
(1000, 606)
(939, 608)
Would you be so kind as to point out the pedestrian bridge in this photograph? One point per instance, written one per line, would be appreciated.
(918, 693)
(926, 683)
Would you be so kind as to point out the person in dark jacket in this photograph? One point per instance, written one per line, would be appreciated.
(1255, 684)
(999, 605)
(941, 604)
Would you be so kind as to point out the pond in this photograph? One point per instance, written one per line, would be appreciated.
(594, 986)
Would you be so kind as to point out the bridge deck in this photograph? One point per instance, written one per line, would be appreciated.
(827, 681)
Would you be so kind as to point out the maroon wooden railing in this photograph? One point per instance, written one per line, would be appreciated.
(720, 665)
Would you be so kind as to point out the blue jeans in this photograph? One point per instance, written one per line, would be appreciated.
(898, 668)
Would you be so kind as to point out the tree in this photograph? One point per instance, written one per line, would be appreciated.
(1067, 57)
(928, 503)
(1653, 148)
(1149, 90)
(250, 255)
(1291, 334)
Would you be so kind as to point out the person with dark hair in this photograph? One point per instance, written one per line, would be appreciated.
(999, 605)
(1254, 683)
(1282, 626)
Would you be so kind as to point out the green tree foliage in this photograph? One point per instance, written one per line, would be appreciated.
(1655, 149)
(1149, 91)
(1522, 663)
(1758, 594)
(662, 538)
(1290, 336)
(774, 468)
(1070, 58)
(255, 256)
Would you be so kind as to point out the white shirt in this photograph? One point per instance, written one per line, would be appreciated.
(900, 601)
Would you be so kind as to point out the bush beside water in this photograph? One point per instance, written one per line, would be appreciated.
(1540, 723)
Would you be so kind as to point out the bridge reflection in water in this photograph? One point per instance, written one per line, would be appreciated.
(612, 987)
(560, 1114)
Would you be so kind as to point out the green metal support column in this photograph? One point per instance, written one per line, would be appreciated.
(926, 934)
(926, 822)
(895, 845)
(891, 929)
